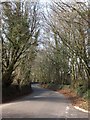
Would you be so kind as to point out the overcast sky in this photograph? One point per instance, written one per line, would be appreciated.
(45, 1)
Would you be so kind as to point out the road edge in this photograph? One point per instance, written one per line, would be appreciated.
(83, 110)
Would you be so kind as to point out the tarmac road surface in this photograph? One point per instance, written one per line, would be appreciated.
(42, 103)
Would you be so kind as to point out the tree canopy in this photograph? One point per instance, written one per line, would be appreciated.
(51, 46)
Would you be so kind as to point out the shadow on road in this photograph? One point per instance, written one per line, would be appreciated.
(44, 95)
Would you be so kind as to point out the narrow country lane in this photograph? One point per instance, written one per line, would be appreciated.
(42, 103)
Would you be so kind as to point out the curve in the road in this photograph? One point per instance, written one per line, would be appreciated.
(42, 103)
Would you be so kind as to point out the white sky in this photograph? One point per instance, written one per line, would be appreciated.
(44, 1)
(48, 1)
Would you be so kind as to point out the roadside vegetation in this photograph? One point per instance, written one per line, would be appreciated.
(64, 59)
(51, 47)
(20, 32)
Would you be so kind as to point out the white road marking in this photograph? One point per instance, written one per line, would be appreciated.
(67, 111)
(67, 108)
(76, 107)
(56, 92)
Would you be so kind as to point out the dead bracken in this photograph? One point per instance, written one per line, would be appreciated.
(75, 99)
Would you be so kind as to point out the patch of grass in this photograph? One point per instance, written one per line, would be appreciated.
(87, 94)
(81, 90)
(66, 86)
